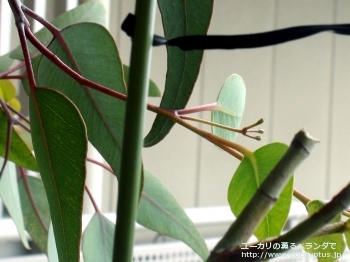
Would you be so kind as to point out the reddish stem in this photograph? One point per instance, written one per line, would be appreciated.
(92, 200)
(22, 36)
(108, 168)
(13, 69)
(14, 76)
(77, 77)
(196, 109)
(54, 30)
(23, 117)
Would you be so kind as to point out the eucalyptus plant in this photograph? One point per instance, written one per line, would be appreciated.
(80, 91)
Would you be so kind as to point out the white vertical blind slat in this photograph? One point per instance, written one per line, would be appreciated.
(5, 24)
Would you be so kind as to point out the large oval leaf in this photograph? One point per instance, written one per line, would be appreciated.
(89, 12)
(160, 212)
(10, 196)
(60, 144)
(248, 177)
(35, 226)
(98, 60)
(98, 239)
(179, 18)
(230, 107)
(19, 151)
(328, 248)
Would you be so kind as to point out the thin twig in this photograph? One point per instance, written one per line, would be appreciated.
(92, 200)
(108, 168)
(11, 70)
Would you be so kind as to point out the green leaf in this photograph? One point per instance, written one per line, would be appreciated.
(51, 246)
(98, 60)
(179, 19)
(160, 212)
(8, 93)
(347, 233)
(230, 107)
(10, 196)
(153, 90)
(326, 248)
(5, 62)
(248, 177)
(19, 151)
(98, 239)
(35, 228)
(89, 12)
(60, 144)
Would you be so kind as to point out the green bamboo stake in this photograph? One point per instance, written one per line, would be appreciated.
(130, 172)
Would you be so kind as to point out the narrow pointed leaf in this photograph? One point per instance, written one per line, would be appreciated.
(324, 246)
(33, 225)
(60, 144)
(160, 212)
(92, 11)
(230, 107)
(179, 19)
(19, 151)
(98, 239)
(98, 60)
(153, 90)
(246, 180)
(10, 196)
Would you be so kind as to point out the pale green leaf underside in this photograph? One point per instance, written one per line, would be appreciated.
(98, 239)
(230, 107)
(160, 212)
(5, 62)
(10, 196)
(51, 246)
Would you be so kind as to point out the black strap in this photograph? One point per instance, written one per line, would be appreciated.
(200, 42)
(128, 27)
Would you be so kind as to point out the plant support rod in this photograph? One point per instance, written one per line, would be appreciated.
(130, 171)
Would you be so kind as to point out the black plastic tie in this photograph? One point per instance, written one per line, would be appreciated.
(202, 42)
